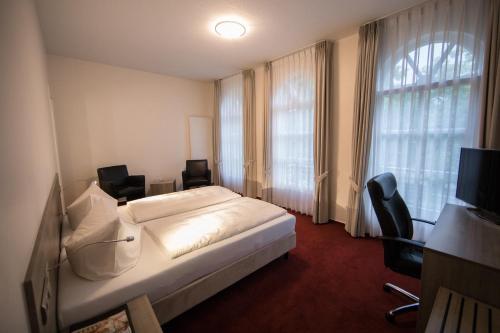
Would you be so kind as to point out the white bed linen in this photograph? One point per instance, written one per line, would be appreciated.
(158, 275)
(158, 206)
(183, 233)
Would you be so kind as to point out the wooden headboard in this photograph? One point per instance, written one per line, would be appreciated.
(40, 283)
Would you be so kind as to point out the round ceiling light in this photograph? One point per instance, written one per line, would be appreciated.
(230, 29)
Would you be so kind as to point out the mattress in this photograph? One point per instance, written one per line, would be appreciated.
(156, 274)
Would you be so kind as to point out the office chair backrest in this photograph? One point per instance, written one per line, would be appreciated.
(116, 174)
(196, 168)
(391, 210)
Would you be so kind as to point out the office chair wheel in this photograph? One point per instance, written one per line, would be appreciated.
(390, 317)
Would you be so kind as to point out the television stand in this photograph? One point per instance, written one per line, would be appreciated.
(485, 215)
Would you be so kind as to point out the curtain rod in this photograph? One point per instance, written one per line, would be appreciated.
(396, 12)
(297, 51)
(230, 75)
(278, 58)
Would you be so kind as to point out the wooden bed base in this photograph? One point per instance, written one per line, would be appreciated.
(41, 281)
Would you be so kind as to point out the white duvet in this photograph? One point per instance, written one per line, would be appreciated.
(157, 206)
(184, 233)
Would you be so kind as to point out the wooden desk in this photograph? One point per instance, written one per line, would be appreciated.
(462, 254)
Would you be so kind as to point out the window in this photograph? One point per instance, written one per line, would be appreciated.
(426, 104)
(292, 107)
(425, 120)
(231, 133)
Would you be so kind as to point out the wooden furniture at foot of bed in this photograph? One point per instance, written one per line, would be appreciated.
(142, 316)
(139, 312)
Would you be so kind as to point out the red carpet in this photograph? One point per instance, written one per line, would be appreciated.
(330, 283)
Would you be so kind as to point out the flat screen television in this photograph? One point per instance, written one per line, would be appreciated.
(479, 181)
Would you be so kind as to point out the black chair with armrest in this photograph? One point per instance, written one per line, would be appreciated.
(196, 174)
(401, 254)
(116, 181)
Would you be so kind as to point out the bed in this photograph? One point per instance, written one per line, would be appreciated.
(174, 284)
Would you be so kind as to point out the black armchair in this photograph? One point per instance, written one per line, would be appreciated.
(401, 254)
(196, 174)
(115, 181)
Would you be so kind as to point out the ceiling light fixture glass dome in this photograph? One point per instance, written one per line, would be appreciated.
(230, 29)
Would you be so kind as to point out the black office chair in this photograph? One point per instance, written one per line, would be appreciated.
(196, 174)
(116, 181)
(401, 253)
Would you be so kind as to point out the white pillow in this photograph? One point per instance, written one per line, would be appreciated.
(82, 205)
(100, 213)
(103, 260)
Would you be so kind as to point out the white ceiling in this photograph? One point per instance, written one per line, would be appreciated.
(176, 38)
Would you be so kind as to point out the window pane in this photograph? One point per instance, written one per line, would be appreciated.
(231, 133)
(292, 131)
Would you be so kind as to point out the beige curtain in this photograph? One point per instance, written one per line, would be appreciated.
(322, 127)
(249, 139)
(267, 158)
(216, 132)
(490, 101)
(362, 124)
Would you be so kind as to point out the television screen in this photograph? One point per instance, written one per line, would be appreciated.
(479, 178)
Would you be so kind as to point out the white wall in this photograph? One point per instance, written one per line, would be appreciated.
(344, 75)
(201, 139)
(109, 115)
(100, 107)
(27, 152)
(345, 54)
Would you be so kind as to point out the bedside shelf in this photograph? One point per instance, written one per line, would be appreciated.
(162, 187)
